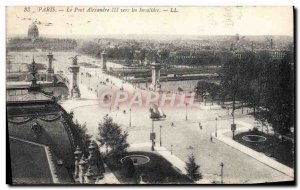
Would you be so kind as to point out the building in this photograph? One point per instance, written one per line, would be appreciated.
(43, 138)
(33, 32)
(46, 78)
(274, 54)
(41, 135)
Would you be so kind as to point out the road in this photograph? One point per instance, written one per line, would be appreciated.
(185, 136)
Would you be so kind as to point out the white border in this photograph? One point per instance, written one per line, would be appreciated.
(4, 3)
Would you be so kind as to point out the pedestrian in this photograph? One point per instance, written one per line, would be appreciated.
(172, 124)
(200, 126)
(211, 139)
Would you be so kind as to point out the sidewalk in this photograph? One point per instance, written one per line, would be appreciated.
(208, 106)
(256, 155)
(109, 177)
(87, 98)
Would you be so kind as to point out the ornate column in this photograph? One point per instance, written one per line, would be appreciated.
(82, 169)
(103, 61)
(77, 154)
(155, 86)
(74, 69)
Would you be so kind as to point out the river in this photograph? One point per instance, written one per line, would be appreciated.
(62, 60)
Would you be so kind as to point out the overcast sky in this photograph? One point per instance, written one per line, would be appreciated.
(188, 21)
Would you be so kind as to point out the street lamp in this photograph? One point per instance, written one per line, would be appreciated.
(233, 125)
(186, 111)
(222, 165)
(216, 132)
(160, 135)
(129, 117)
(97, 91)
(89, 82)
(152, 136)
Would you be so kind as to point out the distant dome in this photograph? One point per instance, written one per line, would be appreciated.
(33, 31)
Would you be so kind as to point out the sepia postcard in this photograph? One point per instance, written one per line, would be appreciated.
(150, 95)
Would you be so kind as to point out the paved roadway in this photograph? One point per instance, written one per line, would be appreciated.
(185, 136)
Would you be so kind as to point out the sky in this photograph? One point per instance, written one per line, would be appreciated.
(187, 21)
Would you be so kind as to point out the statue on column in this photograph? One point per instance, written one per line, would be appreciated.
(74, 69)
(95, 160)
(75, 60)
(77, 154)
(82, 169)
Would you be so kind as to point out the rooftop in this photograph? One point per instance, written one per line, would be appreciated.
(25, 95)
(33, 163)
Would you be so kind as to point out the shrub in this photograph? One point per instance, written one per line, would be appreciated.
(255, 130)
(128, 168)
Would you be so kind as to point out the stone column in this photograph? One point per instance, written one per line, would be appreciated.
(155, 76)
(82, 169)
(50, 59)
(103, 61)
(77, 154)
(74, 69)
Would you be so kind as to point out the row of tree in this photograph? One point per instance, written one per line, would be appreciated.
(265, 84)
(129, 54)
(208, 90)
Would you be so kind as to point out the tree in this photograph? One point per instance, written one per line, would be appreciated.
(83, 137)
(193, 169)
(279, 94)
(142, 55)
(164, 56)
(265, 84)
(213, 91)
(151, 55)
(204, 87)
(110, 135)
(129, 55)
